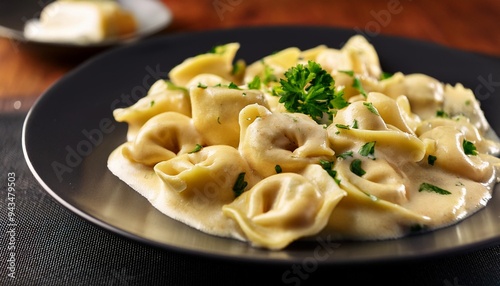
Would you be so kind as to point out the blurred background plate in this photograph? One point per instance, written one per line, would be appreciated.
(72, 167)
(152, 16)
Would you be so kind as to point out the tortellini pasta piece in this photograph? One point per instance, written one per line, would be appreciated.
(218, 62)
(290, 140)
(364, 216)
(382, 179)
(206, 176)
(451, 156)
(470, 132)
(394, 112)
(216, 112)
(272, 67)
(285, 207)
(459, 100)
(425, 93)
(162, 138)
(372, 128)
(162, 96)
(363, 56)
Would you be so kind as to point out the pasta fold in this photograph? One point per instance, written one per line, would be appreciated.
(162, 138)
(291, 141)
(285, 207)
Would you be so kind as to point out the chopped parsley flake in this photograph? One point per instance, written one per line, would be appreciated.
(172, 86)
(386, 75)
(151, 103)
(219, 49)
(200, 85)
(238, 67)
(356, 167)
(240, 185)
(469, 148)
(431, 159)
(368, 149)
(328, 167)
(350, 73)
(278, 169)
(355, 124)
(359, 86)
(370, 107)
(342, 126)
(255, 83)
(372, 197)
(432, 188)
(442, 114)
(232, 85)
(269, 75)
(197, 148)
(345, 154)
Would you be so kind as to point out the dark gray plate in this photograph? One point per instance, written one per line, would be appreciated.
(70, 164)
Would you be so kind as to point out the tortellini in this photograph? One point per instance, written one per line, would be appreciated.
(218, 61)
(284, 207)
(217, 109)
(162, 138)
(291, 141)
(215, 147)
(162, 96)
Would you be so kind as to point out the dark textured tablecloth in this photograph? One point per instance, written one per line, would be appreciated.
(53, 246)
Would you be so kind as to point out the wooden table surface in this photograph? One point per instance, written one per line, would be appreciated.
(461, 24)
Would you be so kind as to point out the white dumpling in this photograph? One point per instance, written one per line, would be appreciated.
(451, 156)
(290, 140)
(285, 207)
(163, 96)
(363, 56)
(162, 138)
(425, 93)
(219, 62)
(216, 111)
(274, 65)
(459, 100)
(206, 175)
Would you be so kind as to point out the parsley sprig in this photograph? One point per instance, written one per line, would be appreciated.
(309, 89)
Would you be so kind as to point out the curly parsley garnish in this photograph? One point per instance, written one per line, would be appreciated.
(309, 89)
